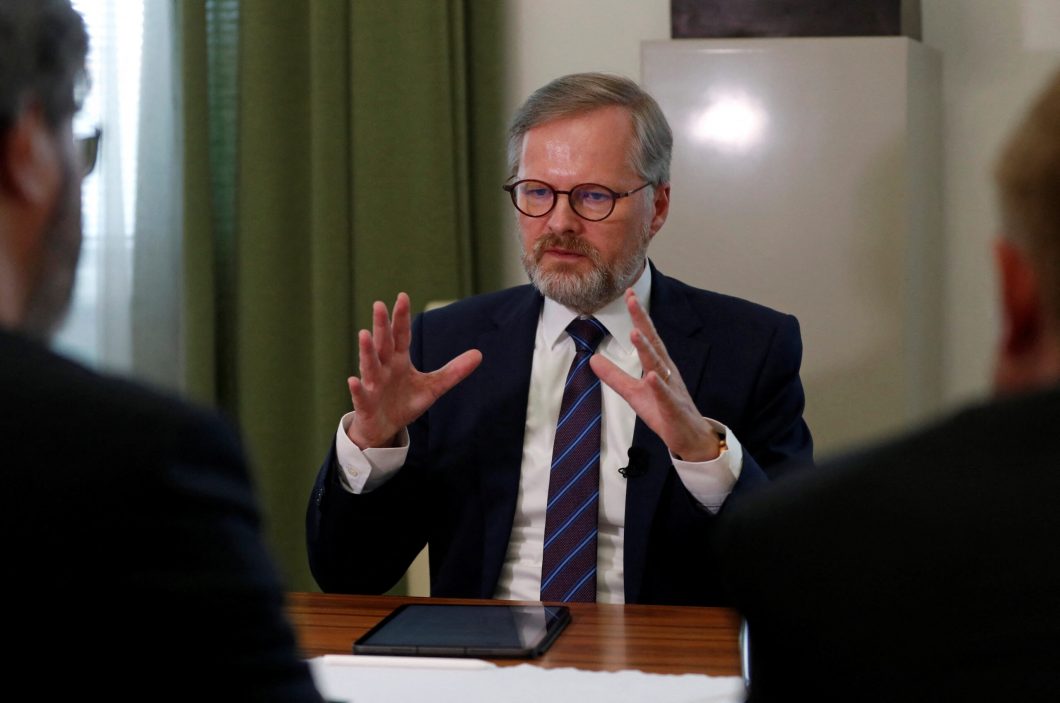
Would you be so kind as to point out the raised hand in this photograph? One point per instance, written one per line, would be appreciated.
(659, 396)
(390, 392)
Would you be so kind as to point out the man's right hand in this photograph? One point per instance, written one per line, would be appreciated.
(391, 392)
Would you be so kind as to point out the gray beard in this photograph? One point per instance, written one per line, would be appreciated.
(589, 292)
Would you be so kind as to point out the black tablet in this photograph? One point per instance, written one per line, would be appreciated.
(447, 630)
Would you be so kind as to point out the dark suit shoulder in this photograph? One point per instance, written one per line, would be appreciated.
(141, 506)
(715, 308)
(943, 528)
(441, 334)
(711, 306)
(58, 397)
(974, 487)
(481, 309)
(70, 433)
(949, 454)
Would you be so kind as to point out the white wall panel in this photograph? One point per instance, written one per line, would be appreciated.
(806, 176)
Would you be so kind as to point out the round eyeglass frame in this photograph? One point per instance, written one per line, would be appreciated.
(615, 197)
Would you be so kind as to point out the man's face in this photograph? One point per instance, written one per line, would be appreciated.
(581, 264)
(49, 295)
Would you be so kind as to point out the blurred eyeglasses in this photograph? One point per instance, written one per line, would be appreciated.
(589, 201)
(88, 149)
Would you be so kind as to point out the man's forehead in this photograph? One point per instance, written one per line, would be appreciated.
(558, 151)
(602, 137)
(614, 119)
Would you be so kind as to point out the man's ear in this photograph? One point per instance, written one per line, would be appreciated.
(1023, 320)
(661, 207)
(30, 163)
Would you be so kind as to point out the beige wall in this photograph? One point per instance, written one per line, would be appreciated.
(995, 54)
(826, 206)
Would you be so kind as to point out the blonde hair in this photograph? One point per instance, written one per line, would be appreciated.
(1028, 180)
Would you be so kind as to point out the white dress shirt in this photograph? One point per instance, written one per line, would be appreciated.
(710, 482)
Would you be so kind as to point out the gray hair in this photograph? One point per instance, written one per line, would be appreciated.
(579, 93)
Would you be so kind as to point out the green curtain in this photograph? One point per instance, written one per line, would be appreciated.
(337, 152)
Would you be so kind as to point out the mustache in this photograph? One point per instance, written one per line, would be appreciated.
(566, 242)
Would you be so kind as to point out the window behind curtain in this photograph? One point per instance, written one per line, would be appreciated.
(131, 202)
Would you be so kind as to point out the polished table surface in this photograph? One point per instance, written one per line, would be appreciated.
(653, 638)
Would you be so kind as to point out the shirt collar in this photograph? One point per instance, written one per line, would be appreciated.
(614, 316)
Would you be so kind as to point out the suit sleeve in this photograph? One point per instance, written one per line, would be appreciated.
(365, 543)
(774, 435)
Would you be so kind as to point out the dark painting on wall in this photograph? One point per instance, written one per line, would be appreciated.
(794, 18)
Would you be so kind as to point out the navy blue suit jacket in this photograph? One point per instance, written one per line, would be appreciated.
(458, 487)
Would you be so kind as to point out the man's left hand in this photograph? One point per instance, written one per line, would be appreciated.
(659, 396)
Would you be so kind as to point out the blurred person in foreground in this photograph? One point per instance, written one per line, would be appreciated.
(135, 567)
(922, 569)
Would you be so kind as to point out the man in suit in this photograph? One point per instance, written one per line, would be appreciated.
(921, 569)
(134, 564)
(520, 491)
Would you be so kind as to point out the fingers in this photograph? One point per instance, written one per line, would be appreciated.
(642, 322)
(649, 357)
(638, 392)
(391, 335)
(368, 359)
(402, 324)
(358, 395)
(388, 336)
(381, 336)
(660, 383)
(646, 340)
(454, 372)
(617, 379)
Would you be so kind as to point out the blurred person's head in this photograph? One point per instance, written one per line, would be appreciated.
(1028, 252)
(43, 44)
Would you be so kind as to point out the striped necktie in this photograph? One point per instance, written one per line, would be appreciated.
(568, 568)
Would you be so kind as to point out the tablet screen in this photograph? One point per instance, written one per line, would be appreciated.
(448, 630)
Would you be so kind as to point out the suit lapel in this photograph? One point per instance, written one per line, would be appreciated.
(680, 329)
(504, 386)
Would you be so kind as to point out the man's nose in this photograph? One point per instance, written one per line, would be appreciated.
(563, 219)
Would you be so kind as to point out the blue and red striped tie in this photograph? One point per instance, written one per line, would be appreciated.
(568, 568)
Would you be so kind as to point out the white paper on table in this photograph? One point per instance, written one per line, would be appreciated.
(402, 679)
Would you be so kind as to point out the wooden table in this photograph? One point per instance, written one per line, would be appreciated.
(653, 638)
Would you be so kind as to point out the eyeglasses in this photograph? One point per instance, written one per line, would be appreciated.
(589, 201)
(88, 148)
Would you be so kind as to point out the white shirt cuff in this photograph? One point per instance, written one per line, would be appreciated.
(711, 482)
(363, 471)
